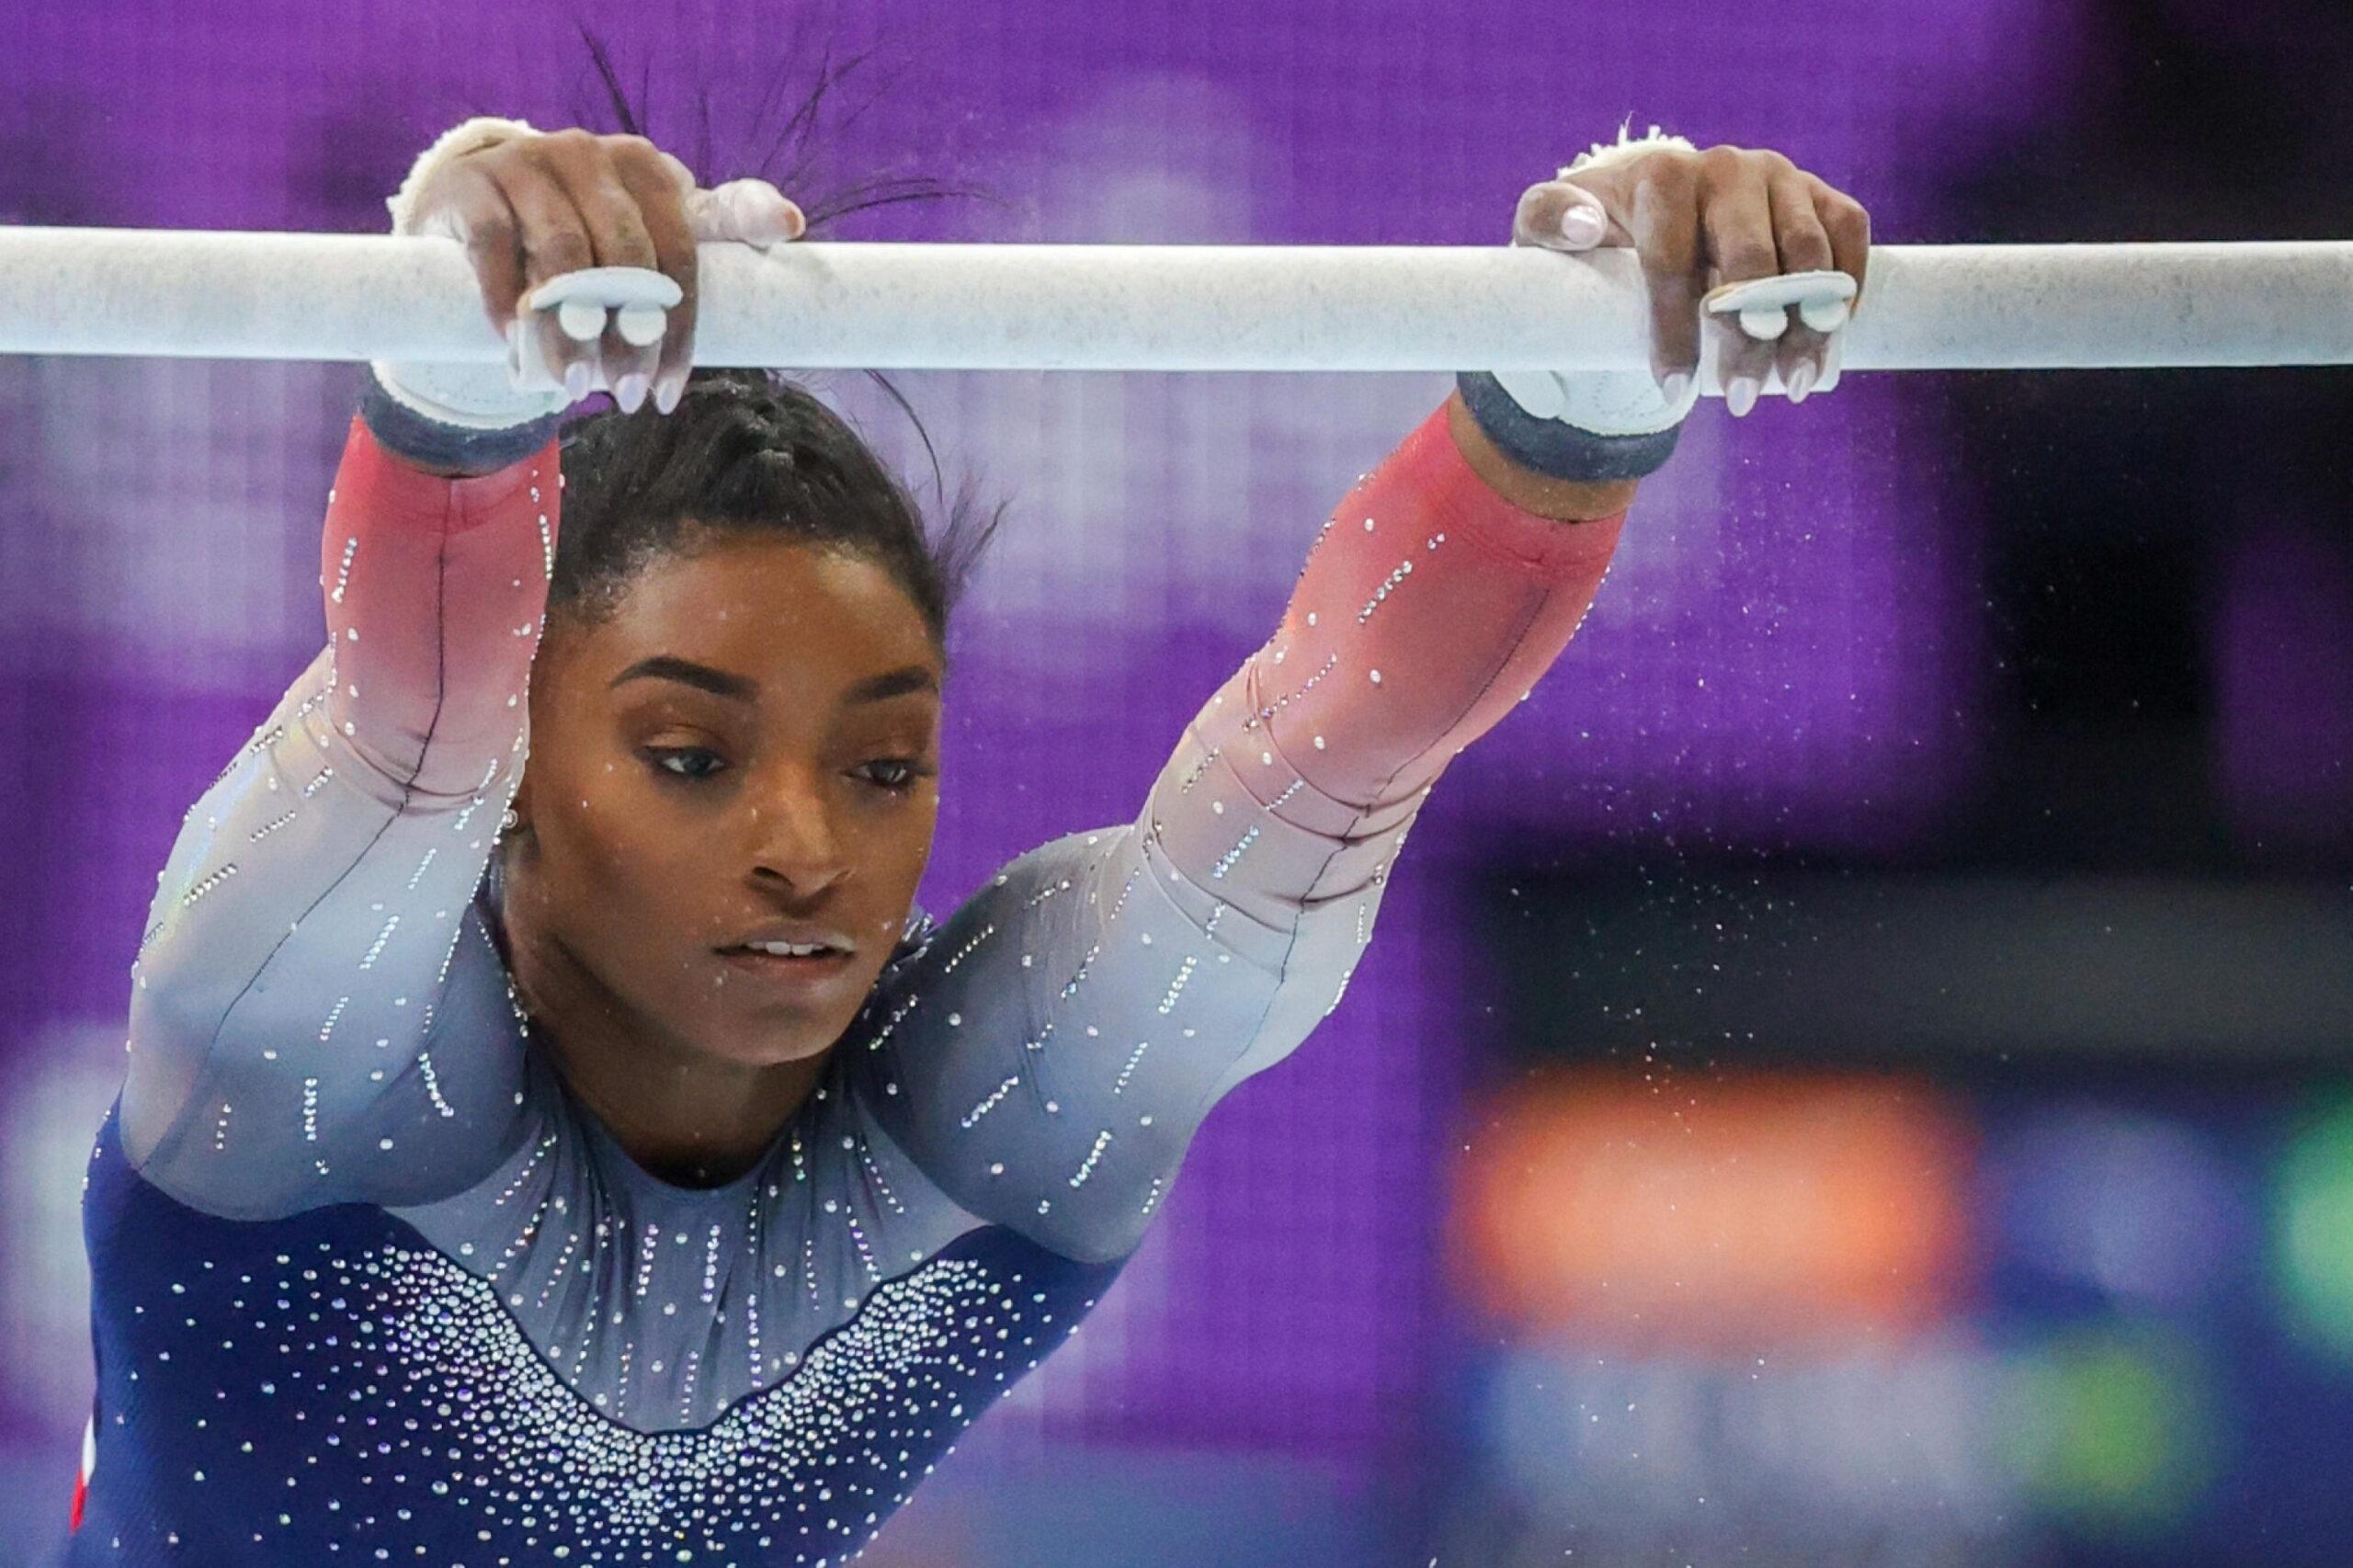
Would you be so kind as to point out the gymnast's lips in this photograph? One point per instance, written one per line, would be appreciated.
(799, 933)
(804, 980)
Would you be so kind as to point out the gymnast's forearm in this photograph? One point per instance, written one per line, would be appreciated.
(1428, 606)
(434, 590)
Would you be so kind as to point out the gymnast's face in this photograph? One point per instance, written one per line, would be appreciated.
(752, 738)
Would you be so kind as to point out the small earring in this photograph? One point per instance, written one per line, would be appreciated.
(506, 823)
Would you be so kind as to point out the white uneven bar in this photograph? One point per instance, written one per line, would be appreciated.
(1029, 307)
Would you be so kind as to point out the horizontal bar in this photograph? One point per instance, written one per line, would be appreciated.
(1039, 307)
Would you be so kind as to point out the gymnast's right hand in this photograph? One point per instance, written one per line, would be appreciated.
(529, 207)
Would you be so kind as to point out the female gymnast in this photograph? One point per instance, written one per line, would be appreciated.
(641, 1177)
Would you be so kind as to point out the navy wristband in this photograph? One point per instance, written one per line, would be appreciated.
(1561, 451)
(428, 443)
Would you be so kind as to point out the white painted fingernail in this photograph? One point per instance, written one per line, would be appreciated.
(1675, 386)
(668, 390)
(575, 381)
(1741, 394)
(1801, 381)
(1581, 226)
(630, 392)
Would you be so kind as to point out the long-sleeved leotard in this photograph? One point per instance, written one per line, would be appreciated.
(371, 1285)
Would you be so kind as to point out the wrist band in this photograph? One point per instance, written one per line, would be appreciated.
(1552, 448)
(428, 443)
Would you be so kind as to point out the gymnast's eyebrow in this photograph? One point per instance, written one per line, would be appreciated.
(874, 689)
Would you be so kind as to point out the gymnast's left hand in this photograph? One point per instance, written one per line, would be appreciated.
(1699, 219)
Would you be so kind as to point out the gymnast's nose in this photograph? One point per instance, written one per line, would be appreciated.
(794, 837)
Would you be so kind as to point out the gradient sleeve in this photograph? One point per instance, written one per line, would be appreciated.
(1050, 1053)
(317, 1013)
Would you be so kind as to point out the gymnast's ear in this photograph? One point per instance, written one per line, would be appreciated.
(516, 822)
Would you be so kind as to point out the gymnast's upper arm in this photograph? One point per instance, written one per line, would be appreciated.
(310, 938)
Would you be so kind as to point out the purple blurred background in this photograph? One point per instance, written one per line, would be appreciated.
(2045, 675)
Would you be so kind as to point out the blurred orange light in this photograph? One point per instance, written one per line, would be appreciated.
(1716, 1214)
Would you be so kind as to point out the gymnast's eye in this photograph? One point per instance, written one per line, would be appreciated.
(661, 758)
(908, 769)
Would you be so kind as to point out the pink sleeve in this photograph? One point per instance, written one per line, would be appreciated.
(1427, 609)
(435, 589)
